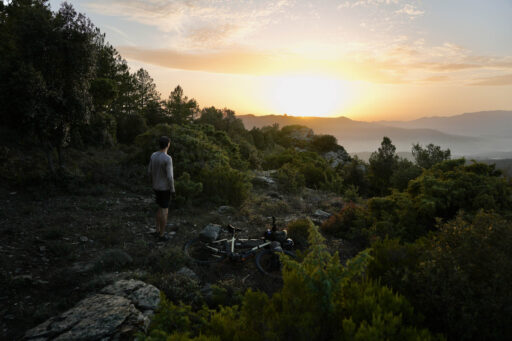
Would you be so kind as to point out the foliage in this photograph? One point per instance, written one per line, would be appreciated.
(290, 179)
(404, 172)
(324, 143)
(45, 71)
(354, 173)
(225, 185)
(129, 127)
(351, 223)
(459, 278)
(381, 166)
(429, 156)
(179, 108)
(439, 192)
(298, 231)
(186, 189)
(320, 300)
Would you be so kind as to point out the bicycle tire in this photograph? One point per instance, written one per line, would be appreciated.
(198, 251)
(268, 262)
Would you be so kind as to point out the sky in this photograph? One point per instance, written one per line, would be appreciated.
(363, 59)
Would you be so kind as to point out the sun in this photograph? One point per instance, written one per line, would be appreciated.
(307, 95)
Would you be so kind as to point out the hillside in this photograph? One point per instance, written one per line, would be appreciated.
(357, 136)
(495, 124)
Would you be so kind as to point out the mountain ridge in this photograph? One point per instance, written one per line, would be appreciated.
(466, 134)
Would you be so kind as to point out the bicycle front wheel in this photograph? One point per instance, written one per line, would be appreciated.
(269, 263)
(204, 253)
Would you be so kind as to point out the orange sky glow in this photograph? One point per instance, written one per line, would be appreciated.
(364, 59)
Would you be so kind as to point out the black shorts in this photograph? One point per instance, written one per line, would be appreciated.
(163, 198)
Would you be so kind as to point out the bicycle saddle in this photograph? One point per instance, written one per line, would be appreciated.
(231, 228)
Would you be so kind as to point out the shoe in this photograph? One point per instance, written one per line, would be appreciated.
(163, 238)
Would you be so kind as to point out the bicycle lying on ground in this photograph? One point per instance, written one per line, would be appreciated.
(266, 249)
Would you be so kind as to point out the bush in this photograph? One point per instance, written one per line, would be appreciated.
(298, 231)
(289, 178)
(129, 127)
(186, 189)
(460, 278)
(225, 185)
(320, 300)
(351, 223)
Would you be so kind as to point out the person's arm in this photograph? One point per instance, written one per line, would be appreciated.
(150, 171)
(170, 175)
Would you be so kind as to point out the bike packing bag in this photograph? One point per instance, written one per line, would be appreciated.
(210, 233)
(276, 246)
(279, 236)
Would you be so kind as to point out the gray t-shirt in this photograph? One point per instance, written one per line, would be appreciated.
(160, 171)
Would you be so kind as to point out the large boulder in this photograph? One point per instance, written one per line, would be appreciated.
(119, 312)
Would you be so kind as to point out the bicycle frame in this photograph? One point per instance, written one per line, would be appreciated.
(230, 249)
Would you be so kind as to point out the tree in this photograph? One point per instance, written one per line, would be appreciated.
(382, 163)
(429, 156)
(145, 90)
(179, 108)
(47, 65)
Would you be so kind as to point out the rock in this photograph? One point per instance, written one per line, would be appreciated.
(187, 272)
(263, 181)
(338, 157)
(210, 232)
(84, 239)
(322, 215)
(119, 312)
(302, 133)
(226, 209)
(144, 296)
(99, 317)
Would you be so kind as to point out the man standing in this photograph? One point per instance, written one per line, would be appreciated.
(162, 177)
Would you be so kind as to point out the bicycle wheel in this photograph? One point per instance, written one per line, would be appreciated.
(268, 262)
(204, 253)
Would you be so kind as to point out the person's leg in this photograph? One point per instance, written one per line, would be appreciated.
(158, 220)
(163, 221)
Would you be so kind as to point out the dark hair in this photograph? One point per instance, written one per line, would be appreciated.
(163, 141)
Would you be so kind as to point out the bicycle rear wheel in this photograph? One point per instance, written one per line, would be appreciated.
(269, 263)
(204, 253)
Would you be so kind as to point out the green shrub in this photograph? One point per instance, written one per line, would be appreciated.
(320, 300)
(459, 278)
(225, 185)
(186, 189)
(351, 223)
(177, 288)
(289, 178)
(298, 231)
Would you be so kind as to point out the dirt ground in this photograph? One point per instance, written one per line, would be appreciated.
(56, 249)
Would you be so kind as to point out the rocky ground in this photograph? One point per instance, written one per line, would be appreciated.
(59, 249)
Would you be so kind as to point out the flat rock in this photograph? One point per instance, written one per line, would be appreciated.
(94, 318)
(226, 209)
(144, 296)
(319, 214)
(119, 312)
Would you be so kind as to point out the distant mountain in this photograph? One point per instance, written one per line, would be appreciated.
(357, 136)
(493, 124)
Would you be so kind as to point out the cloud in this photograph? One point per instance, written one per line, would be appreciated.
(410, 10)
(494, 80)
(191, 23)
(399, 63)
(435, 79)
(239, 61)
